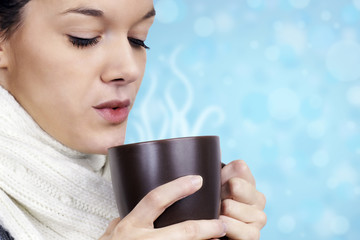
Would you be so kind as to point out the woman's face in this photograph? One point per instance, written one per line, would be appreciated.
(76, 67)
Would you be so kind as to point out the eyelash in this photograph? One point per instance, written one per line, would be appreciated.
(88, 42)
(138, 43)
(83, 42)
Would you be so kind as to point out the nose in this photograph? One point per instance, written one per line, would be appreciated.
(123, 64)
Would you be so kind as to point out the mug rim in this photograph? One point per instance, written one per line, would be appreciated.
(162, 140)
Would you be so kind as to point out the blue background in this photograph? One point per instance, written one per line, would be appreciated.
(279, 82)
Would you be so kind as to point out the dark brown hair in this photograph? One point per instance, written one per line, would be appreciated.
(10, 16)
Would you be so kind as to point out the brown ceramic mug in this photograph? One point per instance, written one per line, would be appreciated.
(138, 168)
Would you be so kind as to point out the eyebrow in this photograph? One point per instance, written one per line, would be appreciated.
(98, 13)
(85, 11)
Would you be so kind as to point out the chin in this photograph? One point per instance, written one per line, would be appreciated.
(100, 149)
(104, 141)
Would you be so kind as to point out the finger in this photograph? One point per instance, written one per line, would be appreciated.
(244, 213)
(155, 202)
(242, 191)
(237, 230)
(239, 169)
(200, 229)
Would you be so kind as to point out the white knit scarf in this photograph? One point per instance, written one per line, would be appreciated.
(48, 191)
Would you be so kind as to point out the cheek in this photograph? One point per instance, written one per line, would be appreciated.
(38, 62)
(48, 79)
(142, 61)
(57, 71)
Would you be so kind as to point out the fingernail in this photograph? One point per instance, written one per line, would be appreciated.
(196, 181)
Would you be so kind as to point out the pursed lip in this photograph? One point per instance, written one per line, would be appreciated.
(113, 104)
(114, 111)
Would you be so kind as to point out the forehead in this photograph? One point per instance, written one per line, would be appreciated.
(111, 9)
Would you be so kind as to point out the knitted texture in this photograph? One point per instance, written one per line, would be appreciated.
(48, 191)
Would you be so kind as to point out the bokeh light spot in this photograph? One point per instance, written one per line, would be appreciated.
(204, 26)
(272, 53)
(321, 158)
(286, 224)
(357, 4)
(167, 11)
(326, 15)
(299, 3)
(224, 23)
(283, 104)
(343, 61)
(254, 44)
(316, 129)
(254, 3)
(353, 96)
(340, 225)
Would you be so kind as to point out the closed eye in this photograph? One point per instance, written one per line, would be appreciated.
(137, 42)
(83, 42)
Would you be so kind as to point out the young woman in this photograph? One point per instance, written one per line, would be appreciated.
(69, 74)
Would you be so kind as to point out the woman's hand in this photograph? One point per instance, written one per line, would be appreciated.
(242, 205)
(139, 223)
